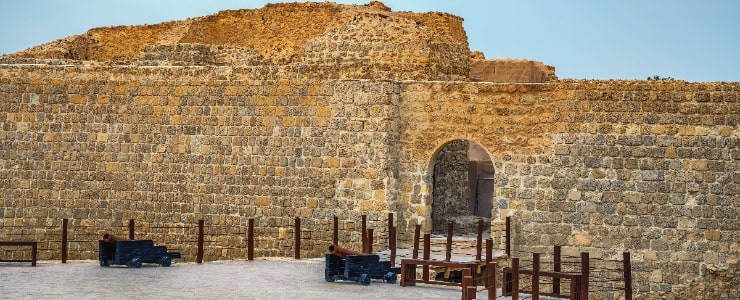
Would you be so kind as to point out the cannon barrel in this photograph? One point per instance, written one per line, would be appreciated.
(341, 252)
(109, 238)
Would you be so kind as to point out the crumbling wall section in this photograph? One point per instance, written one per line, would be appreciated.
(325, 40)
(276, 31)
(381, 46)
(197, 55)
(448, 24)
(511, 71)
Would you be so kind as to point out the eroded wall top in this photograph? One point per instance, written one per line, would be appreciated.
(328, 40)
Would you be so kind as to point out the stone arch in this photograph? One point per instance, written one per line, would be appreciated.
(462, 177)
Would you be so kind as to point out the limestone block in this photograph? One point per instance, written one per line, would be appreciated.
(713, 235)
(656, 276)
(574, 195)
(582, 239)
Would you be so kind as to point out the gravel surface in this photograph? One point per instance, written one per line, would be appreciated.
(259, 279)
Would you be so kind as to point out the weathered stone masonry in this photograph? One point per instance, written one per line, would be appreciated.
(349, 123)
(599, 166)
(602, 166)
(175, 146)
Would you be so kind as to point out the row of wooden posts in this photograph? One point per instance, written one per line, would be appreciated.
(510, 286)
(367, 238)
(579, 282)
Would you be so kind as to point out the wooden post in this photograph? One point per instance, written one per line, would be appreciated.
(489, 250)
(335, 237)
(427, 246)
(466, 281)
(584, 275)
(65, 224)
(464, 284)
(370, 240)
(515, 278)
(448, 248)
(199, 257)
(250, 240)
(131, 229)
(417, 232)
(472, 291)
(557, 267)
(574, 283)
(297, 236)
(508, 236)
(390, 225)
(491, 279)
(34, 253)
(479, 241)
(473, 266)
(391, 240)
(627, 276)
(364, 234)
(535, 276)
(393, 248)
(471, 288)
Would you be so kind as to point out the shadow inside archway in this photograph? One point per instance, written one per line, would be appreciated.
(463, 187)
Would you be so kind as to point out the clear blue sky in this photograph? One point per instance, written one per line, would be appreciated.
(625, 39)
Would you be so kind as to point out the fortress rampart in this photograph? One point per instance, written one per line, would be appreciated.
(600, 166)
(188, 131)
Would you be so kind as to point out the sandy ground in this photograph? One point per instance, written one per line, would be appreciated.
(259, 279)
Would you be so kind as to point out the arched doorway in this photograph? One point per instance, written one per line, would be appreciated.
(463, 187)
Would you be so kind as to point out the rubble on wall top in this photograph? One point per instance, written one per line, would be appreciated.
(269, 31)
(336, 41)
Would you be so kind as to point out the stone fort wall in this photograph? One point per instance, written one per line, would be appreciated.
(238, 115)
(597, 166)
(174, 145)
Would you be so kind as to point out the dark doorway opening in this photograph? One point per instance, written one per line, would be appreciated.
(463, 187)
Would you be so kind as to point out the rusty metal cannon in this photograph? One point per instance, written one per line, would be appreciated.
(109, 238)
(132, 253)
(341, 252)
(349, 265)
